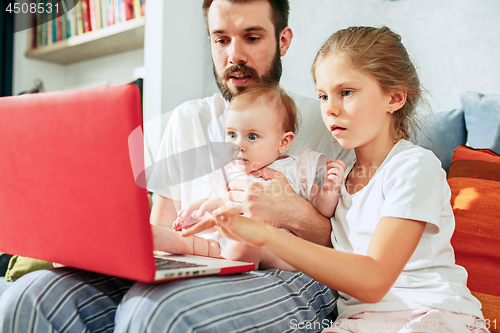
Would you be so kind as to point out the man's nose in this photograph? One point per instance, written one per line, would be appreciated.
(237, 54)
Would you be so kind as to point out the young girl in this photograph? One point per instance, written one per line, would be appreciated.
(262, 122)
(392, 261)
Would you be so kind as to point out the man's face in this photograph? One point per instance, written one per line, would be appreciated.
(244, 46)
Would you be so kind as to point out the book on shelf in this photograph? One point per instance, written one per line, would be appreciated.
(86, 16)
(87, 27)
(79, 18)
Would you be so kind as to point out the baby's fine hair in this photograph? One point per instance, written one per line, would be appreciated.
(272, 97)
(379, 53)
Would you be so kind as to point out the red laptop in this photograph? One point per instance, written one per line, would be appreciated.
(67, 189)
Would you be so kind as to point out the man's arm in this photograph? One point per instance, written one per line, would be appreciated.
(164, 211)
(274, 202)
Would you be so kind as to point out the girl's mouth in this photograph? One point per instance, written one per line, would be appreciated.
(336, 130)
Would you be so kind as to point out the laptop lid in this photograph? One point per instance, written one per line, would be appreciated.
(68, 193)
(71, 169)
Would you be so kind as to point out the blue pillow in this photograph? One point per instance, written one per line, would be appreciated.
(482, 120)
(445, 132)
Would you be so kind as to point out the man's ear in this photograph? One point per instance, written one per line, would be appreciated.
(286, 142)
(285, 40)
(398, 100)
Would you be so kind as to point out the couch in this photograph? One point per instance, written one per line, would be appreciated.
(467, 141)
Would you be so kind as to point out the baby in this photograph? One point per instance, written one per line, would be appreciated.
(262, 122)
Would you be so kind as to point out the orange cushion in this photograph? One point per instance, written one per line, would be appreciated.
(474, 179)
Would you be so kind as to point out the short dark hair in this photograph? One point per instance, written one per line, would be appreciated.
(280, 12)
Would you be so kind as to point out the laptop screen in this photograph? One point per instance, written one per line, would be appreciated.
(68, 191)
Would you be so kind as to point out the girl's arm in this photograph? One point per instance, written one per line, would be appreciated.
(365, 277)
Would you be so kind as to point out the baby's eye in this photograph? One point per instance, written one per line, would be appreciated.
(323, 98)
(232, 135)
(253, 137)
(347, 93)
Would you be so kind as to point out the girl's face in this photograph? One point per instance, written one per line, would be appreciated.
(256, 132)
(354, 108)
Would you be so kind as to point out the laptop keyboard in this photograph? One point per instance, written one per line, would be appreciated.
(163, 263)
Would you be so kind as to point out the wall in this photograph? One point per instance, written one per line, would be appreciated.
(455, 44)
(175, 51)
(26, 70)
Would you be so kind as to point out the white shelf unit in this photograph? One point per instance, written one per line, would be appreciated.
(94, 44)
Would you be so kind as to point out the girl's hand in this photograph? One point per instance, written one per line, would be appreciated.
(233, 226)
(334, 175)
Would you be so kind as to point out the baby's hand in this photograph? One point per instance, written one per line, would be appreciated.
(185, 220)
(334, 175)
(196, 212)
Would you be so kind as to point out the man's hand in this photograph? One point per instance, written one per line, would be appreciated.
(261, 201)
(275, 202)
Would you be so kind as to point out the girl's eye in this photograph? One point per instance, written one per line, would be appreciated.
(253, 137)
(323, 98)
(232, 135)
(347, 93)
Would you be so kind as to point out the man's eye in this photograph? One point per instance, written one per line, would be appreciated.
(323, 98)
(253, 39)
(220, 41)
(253, 137)
(347, 93)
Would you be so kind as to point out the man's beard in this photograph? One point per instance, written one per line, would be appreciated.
(272, 76)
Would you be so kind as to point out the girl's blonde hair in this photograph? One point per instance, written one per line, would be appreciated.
(271, 96)
(379, 53)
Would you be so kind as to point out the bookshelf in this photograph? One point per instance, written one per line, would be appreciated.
(113, 39)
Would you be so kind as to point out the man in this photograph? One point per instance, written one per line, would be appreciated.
(247, 39)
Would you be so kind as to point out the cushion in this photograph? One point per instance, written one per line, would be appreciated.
(482, 120)
(18, 266)
(445, 131)
(474, 179)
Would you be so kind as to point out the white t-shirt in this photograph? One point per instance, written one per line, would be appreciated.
(193, 122)
(410, 184)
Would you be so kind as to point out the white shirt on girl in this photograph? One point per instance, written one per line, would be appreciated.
(410, 184)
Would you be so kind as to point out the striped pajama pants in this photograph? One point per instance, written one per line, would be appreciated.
(70, 300)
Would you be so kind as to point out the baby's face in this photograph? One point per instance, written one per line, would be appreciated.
(258, 133)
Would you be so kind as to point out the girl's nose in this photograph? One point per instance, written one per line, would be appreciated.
(331, 110)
